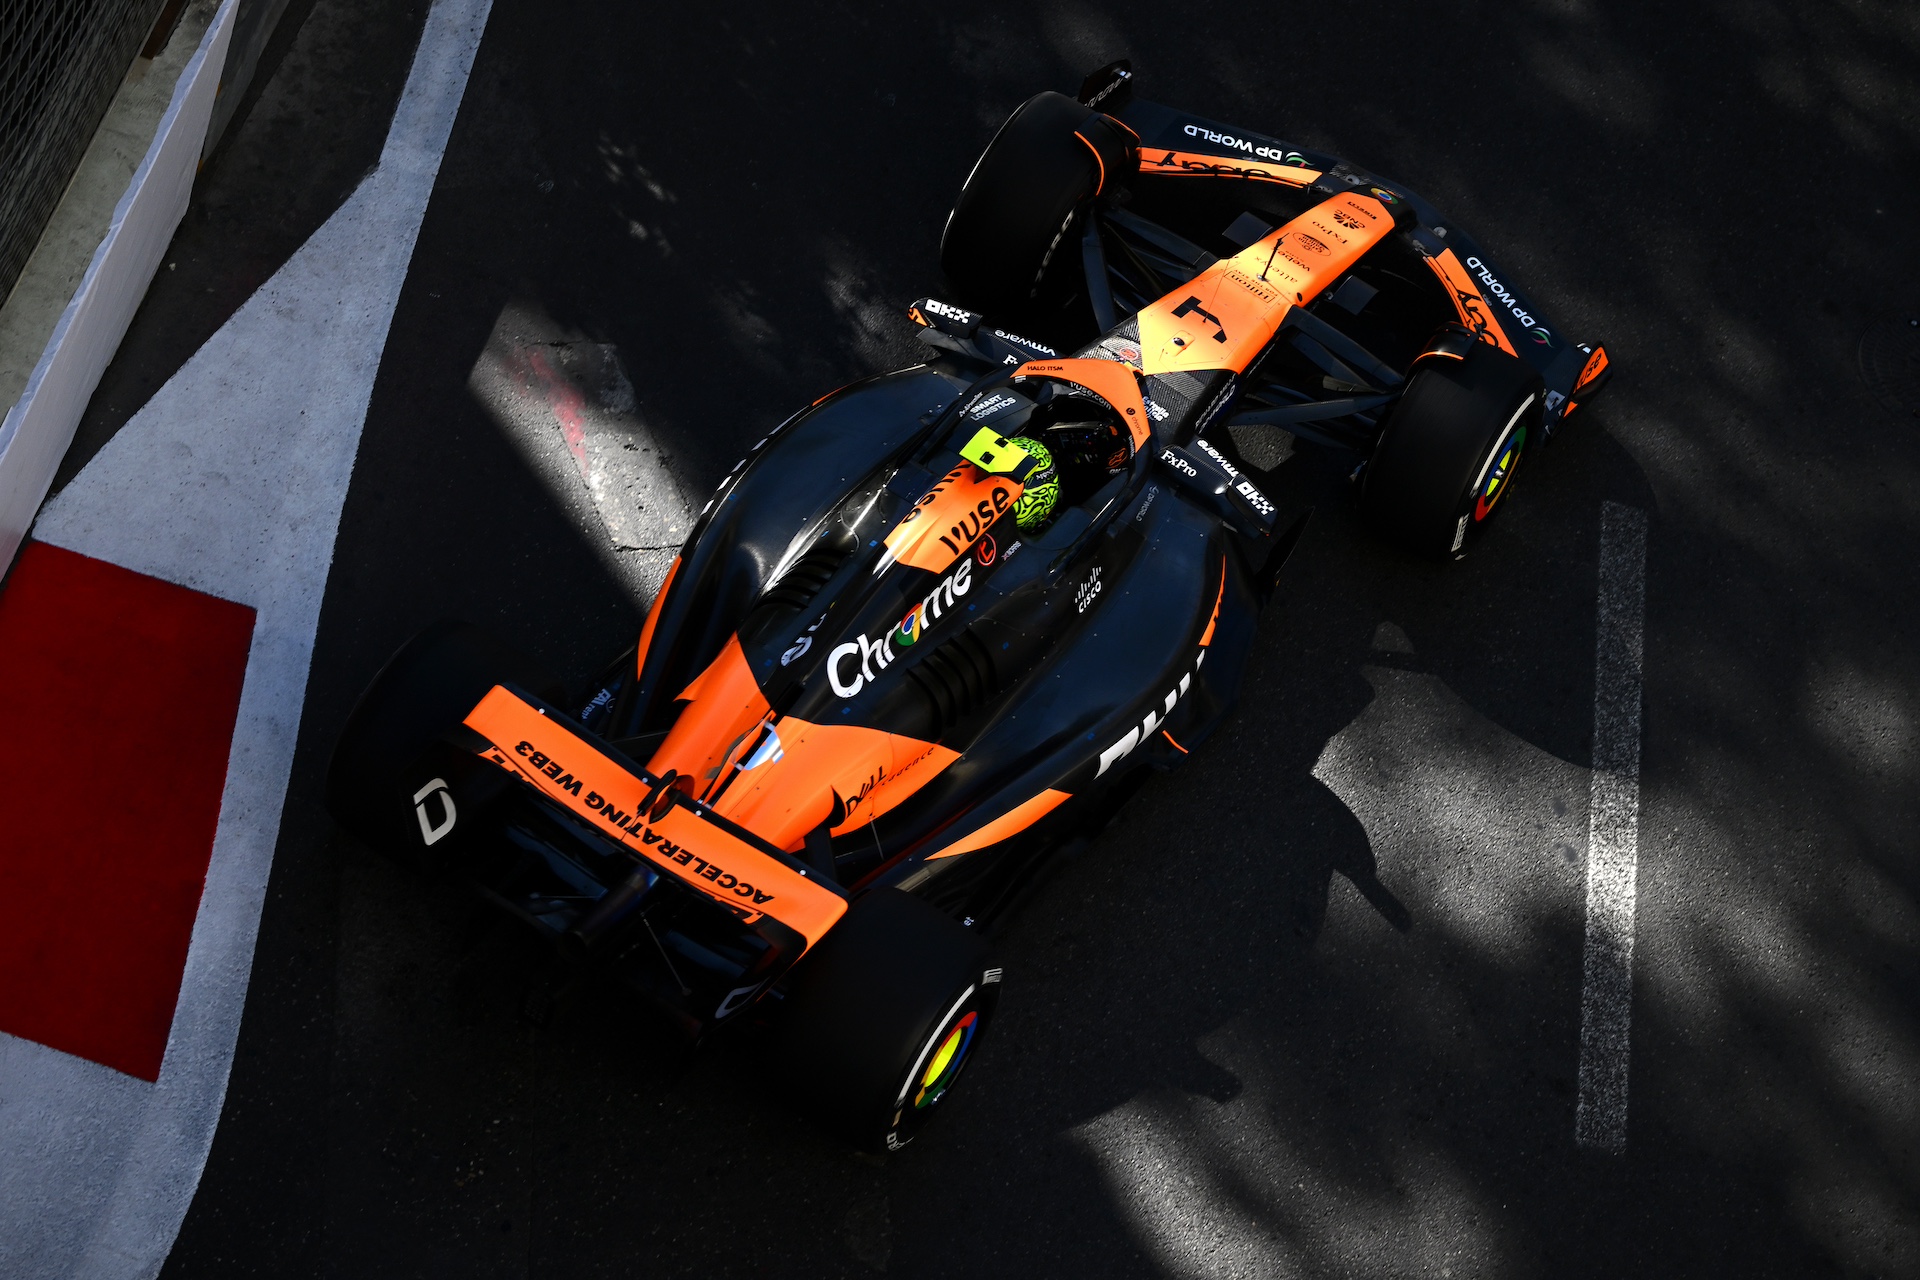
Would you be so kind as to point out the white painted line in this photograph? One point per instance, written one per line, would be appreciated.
(230, 480)
(1606, 996)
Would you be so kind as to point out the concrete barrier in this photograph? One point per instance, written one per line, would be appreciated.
(40, 426)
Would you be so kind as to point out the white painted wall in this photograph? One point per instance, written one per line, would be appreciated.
(41, 424)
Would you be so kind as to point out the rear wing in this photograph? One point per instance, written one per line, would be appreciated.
(766, 889)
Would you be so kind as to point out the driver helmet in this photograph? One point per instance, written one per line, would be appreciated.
(1040, 492)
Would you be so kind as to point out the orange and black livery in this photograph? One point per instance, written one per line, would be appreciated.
(941, 622)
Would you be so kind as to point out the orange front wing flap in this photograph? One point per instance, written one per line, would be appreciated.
(1162, 160)
(683, 841)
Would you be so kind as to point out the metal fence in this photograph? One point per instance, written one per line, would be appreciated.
(61, 61)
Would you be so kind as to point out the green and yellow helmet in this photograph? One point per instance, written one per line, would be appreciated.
(1040, 490)
(1027, 460)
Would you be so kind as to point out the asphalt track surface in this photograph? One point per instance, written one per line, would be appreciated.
(1224, 1047)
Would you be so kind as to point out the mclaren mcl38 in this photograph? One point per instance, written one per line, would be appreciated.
(939, 623)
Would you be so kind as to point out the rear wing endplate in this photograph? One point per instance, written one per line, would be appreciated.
(659, 823)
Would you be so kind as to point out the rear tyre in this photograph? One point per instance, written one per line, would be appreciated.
(425, 689)
(1014, 212)
(1450, 450)
(884, 1015)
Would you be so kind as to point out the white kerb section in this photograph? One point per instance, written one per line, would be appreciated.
(1606, 996)
(231, 481)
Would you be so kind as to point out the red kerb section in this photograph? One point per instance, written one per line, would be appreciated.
(118, 694)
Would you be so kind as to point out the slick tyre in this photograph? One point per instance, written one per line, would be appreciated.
(379, 779)
(883, 1016)
(1450, 450)
(1016, 210)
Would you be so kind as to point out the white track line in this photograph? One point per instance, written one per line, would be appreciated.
(1606, 997)
(231, 481)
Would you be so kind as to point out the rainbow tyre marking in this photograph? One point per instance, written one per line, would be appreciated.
(1497, 477)
(943, 1068)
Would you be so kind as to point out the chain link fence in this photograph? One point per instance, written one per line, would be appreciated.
(61, 61)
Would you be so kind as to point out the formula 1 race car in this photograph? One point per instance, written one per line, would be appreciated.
(938, 623)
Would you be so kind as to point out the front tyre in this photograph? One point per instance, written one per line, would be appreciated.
(1014, 212)
(883, 1016)
(1450, 450)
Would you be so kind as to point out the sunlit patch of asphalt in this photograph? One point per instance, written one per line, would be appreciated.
(872, 322)
(1864, 716)
(1219, 1191)
(1483, 827)
(1481, 832)
(1831, 1088)
(568, 408)
(1789, 1051)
